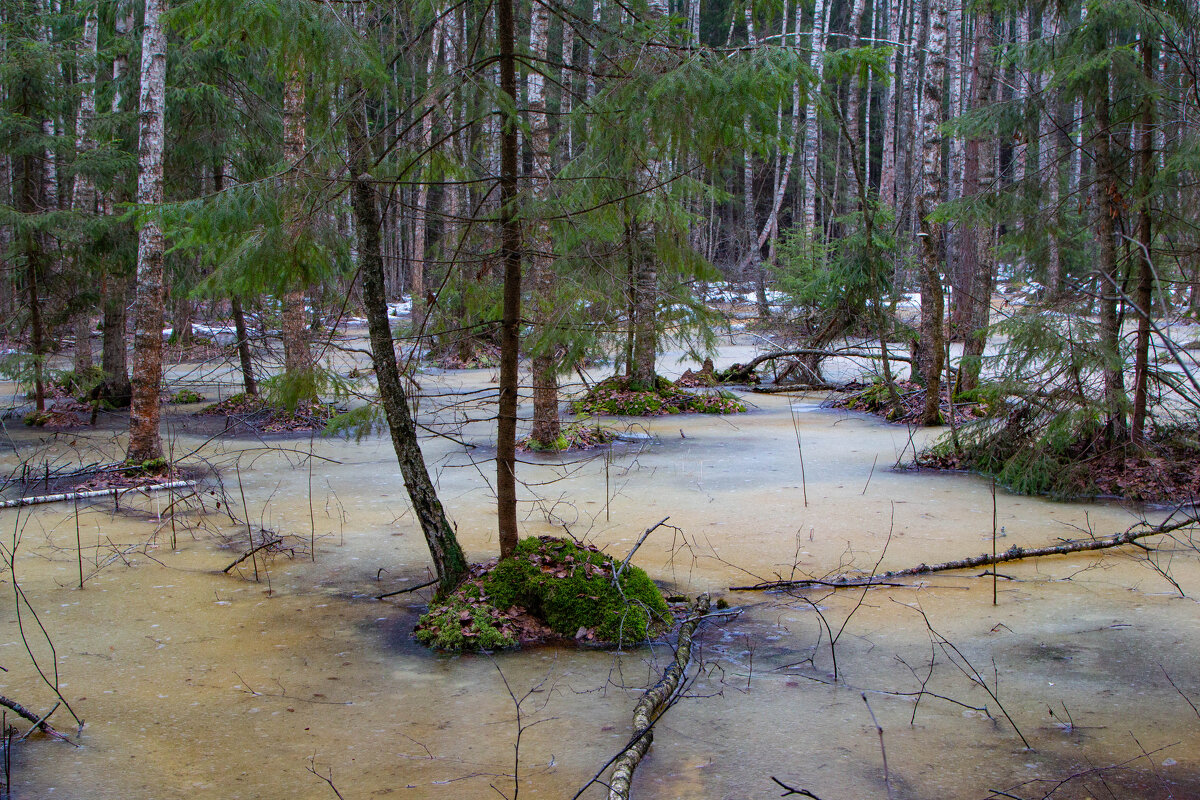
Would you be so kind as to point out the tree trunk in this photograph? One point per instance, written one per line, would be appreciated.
(34, 268)
(544, 368)
(115, 285)
(83, 193)
(977, 264)
(892, 96)
(812, 171)
(1144, 293)
(1048, 160)
(144, 441)
(932, 334)
(1108, 214)
(448, 558)
(297, 358)
(243, 346)
(510, 255)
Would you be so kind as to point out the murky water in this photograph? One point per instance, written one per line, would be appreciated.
(195, 683)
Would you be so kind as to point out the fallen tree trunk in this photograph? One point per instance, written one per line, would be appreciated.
(1014, 553)
(743, 371)
(653, 703)
(115, 491)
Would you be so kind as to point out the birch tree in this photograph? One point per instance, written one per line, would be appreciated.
(145, 444)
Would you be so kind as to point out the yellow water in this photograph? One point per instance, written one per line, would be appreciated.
(195, 683)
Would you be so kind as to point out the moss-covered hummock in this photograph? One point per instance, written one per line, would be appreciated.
(615, 396)
(550, 588)
(580, 435)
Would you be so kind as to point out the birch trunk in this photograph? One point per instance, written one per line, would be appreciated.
(932, 335)
(892, 98)
(416, 275)
(145, 445)
(811, 127)
(544, 368)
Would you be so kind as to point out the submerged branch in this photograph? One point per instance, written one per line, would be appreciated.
(1014, 553)
(38, 722)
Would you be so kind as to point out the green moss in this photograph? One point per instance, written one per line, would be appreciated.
(557, 445)
(154, 466)
(186, 397)
(571, 587)
(465, 622)
(617, 396)
(565, 586)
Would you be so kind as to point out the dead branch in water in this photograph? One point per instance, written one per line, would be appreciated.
(653, 703)
(250, 553)
(38, 722)
(1014, 553)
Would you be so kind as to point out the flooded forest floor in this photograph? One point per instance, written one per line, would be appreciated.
(1068, 677)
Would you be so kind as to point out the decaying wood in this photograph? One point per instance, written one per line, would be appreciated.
(114, 491)
(1014, 553)
(38, 722)
(743, 371)
(656, 700)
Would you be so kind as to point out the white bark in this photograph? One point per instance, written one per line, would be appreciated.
(811, 127)
(891, 97)
(144, 441)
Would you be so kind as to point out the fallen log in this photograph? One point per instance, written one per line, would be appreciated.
(1014, 553)
(653, 703)
(743, 371)
(116, 491)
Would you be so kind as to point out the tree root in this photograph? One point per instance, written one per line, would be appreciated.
(653, 703)
(1014, 553)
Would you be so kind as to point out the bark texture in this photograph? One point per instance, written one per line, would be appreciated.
(510, 255)
(145, 443)
(654, 702)
(448, 558)
(931, 346)
(544, 365)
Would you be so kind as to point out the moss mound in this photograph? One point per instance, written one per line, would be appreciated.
(576, 436)
(265, 417)
(550, 588)
(617, 397)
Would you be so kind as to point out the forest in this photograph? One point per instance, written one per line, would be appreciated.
(415, 395)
